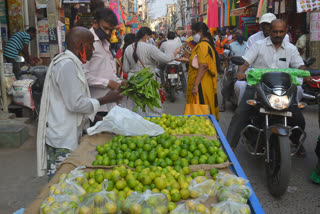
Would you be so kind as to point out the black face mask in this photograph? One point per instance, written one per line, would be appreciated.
(101, 34)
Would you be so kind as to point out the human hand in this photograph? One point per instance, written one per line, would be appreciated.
(308, 79)
(182, 59)
(113, 96)
(195, 90)
(241, 76)
(114, 85)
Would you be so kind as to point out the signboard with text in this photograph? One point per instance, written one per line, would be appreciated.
(315, 26)
(307, 5)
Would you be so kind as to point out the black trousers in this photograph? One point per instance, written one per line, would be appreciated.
(15, 67)
(241, 119)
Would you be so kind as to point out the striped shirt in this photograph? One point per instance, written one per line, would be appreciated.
(16, 44)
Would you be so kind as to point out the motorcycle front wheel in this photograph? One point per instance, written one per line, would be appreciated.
(279, 167)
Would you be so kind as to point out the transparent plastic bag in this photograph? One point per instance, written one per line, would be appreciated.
(56, 204)
(230, 207)
(147, 202)
(200, 186)
(192, 207)
(235, 192)
(226, 179)
(101, 202)
(70, 184)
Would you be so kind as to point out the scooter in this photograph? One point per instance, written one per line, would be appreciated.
(38, 74)
(311, 88)
(228, 80)
(174, 79)
(268, 133)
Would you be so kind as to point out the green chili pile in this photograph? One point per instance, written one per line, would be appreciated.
(143, 90)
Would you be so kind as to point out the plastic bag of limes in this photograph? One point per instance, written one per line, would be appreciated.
(230, 207)
(193, 206)
(147, 202)
(100, 202)
(201, 185)
(226, 179)
(70, 184)
(235, 192)
(59, 203)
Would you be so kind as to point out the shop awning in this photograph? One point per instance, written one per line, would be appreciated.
(240, 11)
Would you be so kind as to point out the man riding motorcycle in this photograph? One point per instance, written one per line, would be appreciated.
(271, 52)
(237, 48)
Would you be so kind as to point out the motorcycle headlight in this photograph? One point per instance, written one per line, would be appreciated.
(278, 102)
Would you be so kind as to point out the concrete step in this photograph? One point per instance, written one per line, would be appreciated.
(13, 135)
(5, 115)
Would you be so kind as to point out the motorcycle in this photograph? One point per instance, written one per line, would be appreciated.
(174, 79)
(268, 133)
(311, 88)
(228, 80)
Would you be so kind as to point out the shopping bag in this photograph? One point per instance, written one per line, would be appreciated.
(195, 108)
(122, 121)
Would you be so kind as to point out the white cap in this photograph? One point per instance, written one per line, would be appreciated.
(267, 18)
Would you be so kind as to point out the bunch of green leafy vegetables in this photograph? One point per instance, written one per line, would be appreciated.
(142, 88)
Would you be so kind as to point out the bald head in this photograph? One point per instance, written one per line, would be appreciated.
(278, 22)
(278, 31)
(80, 41)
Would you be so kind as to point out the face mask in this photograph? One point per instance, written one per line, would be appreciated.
(240, 39)
(101, 34)
(196, 38)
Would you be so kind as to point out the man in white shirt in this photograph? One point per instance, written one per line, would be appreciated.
(301, 42)
(271, 52)
(264, 23)
(66, 104)
(101, 69)
(169, 47)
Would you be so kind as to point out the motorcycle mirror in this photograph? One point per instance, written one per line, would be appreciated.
(226, 46)
(19, 59)
(302, 105)
(252, 102)
(309, 61)
(237, 60)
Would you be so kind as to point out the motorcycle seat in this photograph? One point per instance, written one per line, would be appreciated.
(314, 72)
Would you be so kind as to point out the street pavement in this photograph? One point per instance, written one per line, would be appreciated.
(19, 184)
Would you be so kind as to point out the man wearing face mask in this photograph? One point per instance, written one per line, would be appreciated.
(264, 23)
(101, 69)
(237, 48)
(66, 104)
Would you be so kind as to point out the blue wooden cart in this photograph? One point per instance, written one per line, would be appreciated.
(235, 167)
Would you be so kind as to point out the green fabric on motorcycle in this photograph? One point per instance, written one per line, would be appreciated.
(255, 74)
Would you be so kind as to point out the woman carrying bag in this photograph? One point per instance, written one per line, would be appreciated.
(202, 78)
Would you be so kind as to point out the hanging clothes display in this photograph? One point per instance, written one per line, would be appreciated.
(225, 7)
(233, 18)
(213, 13)
(221, 13)
(228, 13)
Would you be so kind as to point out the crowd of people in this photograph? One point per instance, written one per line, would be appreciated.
(84, 82)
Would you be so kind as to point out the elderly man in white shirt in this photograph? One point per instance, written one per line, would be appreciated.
(264, 23)
(271, 52)
(66, 104)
